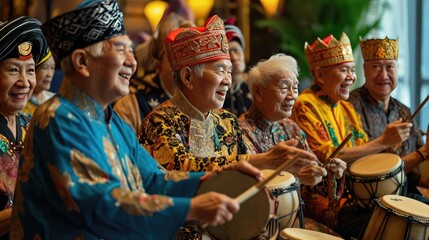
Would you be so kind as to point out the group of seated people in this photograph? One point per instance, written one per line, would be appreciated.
(103, 159)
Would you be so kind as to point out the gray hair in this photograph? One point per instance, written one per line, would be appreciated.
(197, 69)
(266, 71)
(94, 50)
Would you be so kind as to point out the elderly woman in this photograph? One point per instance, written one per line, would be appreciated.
(44, 73)
(273, 84)
(21, 44)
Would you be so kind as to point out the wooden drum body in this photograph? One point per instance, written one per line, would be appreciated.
(285, 187)
(398, 217)
(374, 176)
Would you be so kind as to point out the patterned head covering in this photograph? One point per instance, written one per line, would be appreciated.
(22, 38)
(329, 51)
(233, 33)
(196, 45)
(91, 22)
(379, 49)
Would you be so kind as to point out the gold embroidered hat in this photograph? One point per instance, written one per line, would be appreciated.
(196, 45)
(379, 49)
(328, 51)
(22, 38)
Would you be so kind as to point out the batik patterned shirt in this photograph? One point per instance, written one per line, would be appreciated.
(145, 95)
(238, 101)
(326, 123)
(85, 176)
(180, 137)
(10, 152)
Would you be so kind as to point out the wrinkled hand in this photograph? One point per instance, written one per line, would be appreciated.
(286, 151)
(212, 208)
(396, 132)
(337, 167)
(311, 175)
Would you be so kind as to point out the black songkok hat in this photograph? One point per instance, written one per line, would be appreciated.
(91, 22)
(22, 38)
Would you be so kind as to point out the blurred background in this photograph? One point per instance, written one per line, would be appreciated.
(271, 26)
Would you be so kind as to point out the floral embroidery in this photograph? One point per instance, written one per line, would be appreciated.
(86, 169)
(176, 176)
(140, 203)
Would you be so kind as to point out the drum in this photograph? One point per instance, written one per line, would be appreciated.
(398, 217)
(374, 176)
(286, 189)
(255, 213)
(304, 234)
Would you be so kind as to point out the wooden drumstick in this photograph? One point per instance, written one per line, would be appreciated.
(257, 187)
(250, 192)
(412, 117)
(337, 150)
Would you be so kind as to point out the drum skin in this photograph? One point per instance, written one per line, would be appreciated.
(305, 234)
(374, 176)
(398, 217)
(254, 213)
(285, 188)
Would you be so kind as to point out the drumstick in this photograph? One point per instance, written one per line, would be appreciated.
(257, 187)
(412, 117)
(418, 109)
(337, 150)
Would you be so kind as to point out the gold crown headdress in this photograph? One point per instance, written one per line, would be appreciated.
(329, 51)
(379, 49)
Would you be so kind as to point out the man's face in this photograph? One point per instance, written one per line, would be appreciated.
(210, 90)
(337, 80)
(237, 57)
(112, 71)
(17, 82)
(276, 100)
(381, 77)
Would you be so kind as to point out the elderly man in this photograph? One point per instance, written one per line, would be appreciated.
(21, 47)
(190, 132)
(323, 113)
(84, 176)
(377, 109)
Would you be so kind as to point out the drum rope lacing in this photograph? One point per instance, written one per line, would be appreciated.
(422, 220)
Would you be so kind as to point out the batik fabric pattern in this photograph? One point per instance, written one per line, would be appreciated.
(326, 124)
(145, 95)
(84, 176)
(10, 152)
(238, 101)
(180, 137)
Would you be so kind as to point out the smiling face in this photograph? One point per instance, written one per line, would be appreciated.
(44, 75)
(237, 57)
(276, 100)
(337, 80)
(209, 91)
(111, 72)
(381, 78)
(17, 81)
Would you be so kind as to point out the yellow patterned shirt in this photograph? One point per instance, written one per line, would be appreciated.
(325, 123)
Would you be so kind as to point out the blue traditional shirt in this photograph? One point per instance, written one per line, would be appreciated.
(85, 176)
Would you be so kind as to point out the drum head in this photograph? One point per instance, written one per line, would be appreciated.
(282, 180)
(254, 213)
(304, 234)
(406, 207)
(375, 164)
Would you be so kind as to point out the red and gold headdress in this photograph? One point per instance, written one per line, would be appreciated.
(329, 51)
(379, 49)
(196, 45)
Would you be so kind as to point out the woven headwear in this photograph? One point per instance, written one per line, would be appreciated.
(196, 45)
(233, 33)
(91, 22)
(379, 49)
(329, 51)
(22, 38)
